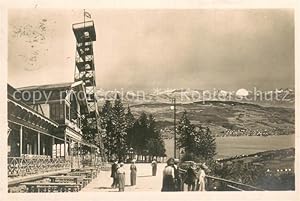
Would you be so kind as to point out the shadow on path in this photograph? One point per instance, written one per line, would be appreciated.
(145, 176)
(103, 187)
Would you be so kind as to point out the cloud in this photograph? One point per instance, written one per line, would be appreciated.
(160, 48)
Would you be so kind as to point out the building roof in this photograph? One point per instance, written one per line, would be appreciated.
(47, 86)
(23, 107)
(34, 120)
(52, 92)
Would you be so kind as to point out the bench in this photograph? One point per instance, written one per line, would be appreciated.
(87, 180)
(92, 170)
(51, 187)
(76, 179)
(81, 173)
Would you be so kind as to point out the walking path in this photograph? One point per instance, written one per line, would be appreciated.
(145, 181)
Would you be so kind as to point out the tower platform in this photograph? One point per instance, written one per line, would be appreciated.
(84, 31)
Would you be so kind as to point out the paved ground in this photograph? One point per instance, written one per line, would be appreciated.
(145, 180)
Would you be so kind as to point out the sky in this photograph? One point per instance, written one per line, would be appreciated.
(145, 49)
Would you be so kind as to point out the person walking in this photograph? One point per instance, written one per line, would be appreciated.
(191, 177)
(114, 168)
(178, 180)
(121, 177)
(154, 167)
(201, 177)
(133, 171)
(169, 176)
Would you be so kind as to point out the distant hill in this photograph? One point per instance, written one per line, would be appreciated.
(277, 97)
(225, 118)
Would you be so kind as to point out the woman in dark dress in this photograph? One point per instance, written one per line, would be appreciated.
(133, 171)
(191, 177)
(154, 167)
(169, 176)
(114, 168)
(178, 179)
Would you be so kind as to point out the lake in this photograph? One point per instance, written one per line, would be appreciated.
(231, 146)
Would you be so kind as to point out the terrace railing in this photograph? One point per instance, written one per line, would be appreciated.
(22, 166)
(220, 184)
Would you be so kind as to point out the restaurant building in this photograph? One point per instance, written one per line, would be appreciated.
(44, 129)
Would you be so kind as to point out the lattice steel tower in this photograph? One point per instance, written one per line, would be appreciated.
(85, 35)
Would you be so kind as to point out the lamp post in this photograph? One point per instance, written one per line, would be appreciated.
(173, 107)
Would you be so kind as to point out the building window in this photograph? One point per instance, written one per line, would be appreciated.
(73, 109)
(57, 111)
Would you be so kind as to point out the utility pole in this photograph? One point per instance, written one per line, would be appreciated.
(174, 108)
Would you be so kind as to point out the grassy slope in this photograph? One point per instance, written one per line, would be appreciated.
(220, 116)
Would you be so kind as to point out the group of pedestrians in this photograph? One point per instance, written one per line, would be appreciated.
(195, 178)
(171, 177)
(118, 173)
(173, 180)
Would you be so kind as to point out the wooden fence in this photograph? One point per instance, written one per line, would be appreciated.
(22, 166)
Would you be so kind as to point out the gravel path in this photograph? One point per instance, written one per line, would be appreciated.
(145, 182)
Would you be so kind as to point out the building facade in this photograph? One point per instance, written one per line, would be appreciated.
(45, 130)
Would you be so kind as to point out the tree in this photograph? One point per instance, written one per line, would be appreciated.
(153, 133)
(146, 139)
(129, 118)
(140, 133)
(155, 147)
(205, 143)
(123, 131)
(154, 143)
(119, 134)
(89, 130)
(186, 133)
(130, 121)
(197, 142)
(106, 123)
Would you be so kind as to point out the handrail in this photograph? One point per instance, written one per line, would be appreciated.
(233, 182)
(229, 181)
(235, 188)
